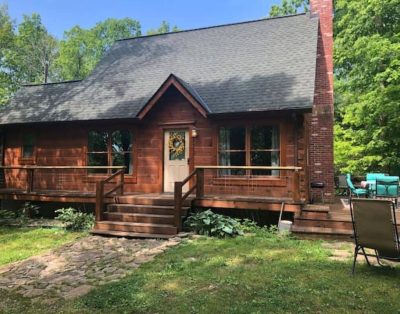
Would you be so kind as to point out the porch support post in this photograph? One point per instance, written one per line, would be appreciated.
(178, 205)
(296, 185)
(99, 200)
(199, 183)
(29, 187)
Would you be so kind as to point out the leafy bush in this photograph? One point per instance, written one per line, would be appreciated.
(20, 216)
(248, 225)
(214, 225)
(6, 215)
(28, 210)
(75, 220)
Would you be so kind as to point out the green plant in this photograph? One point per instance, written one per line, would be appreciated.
(214, 225)
(75, 220)
(249, 225)
(6, 215)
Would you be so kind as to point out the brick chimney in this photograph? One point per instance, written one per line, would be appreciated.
(321, 121)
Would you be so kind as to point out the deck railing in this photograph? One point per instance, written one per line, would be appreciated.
(93, 180)
(287, 177)
(32, 178)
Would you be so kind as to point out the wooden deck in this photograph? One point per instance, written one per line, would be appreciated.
(152, 215)
(209, 201)
(263, 203)
(327, 219)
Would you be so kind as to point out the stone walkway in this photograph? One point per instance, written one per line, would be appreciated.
(74, 269)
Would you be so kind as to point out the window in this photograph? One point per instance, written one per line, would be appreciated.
(110, 148)
(252, 146)
(28, 145)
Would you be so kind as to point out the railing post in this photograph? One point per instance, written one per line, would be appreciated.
(99, 200)
(29, 187)
(296, 185)
(122, 181)
(199, 182)
(178, 205)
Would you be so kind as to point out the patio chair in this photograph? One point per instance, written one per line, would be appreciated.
(341, 185)
(387, 187)
(374, 226)
(374, 176)
(353, 190)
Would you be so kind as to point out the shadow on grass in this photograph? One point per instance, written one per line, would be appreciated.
(248, 275)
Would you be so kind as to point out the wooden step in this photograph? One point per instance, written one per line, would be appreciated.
(318, 230)
(149, 200)
(131, 234)
(135, 227)
(139, 217)
(315, 208)
(325, 217)
(144, 209)
(312, 215)
(345, 225)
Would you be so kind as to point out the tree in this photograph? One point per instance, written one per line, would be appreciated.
(81, 49)
(7, 37)
(34, 50)
(288, 7)
(367, 85)
(164, 28)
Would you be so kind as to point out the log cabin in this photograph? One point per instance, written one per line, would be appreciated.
(236, 116)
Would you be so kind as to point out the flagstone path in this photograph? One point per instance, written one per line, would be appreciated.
(74, 269)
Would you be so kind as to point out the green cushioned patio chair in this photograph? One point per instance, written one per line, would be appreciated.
(375, 228)
(353, 190)
(374, 176)
(387, 187)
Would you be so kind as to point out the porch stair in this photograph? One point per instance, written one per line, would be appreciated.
(140, 216)
(319, 219)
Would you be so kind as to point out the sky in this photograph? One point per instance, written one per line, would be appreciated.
(61, 15)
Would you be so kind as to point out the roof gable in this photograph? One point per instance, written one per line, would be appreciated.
(189, 93)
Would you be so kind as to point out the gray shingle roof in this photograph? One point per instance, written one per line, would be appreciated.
(259, 65)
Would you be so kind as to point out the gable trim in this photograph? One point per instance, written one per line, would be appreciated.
(172, 80)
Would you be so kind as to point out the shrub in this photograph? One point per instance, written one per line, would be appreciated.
(75, 220)
(20, 216)
(248, 225)
(214, 225)
(6, 215)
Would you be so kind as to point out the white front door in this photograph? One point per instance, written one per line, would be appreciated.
(176, 158)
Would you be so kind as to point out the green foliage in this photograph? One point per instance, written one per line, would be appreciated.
(6, 215)
(81, 49)
(288, 7)
(214, 225)
(367, 86)
(248, 225)
(165, 27)
(20, 216)
(7, 38)
(75, 220)
(27, 49)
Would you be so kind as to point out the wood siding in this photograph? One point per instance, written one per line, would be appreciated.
(66, 144)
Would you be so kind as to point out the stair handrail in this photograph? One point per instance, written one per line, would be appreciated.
(101, 194)
(198, 185)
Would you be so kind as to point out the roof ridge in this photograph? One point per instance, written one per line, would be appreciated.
(215, 26)
(50, 83)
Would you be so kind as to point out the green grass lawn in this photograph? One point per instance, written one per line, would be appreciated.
(251, 274)
(19, 243)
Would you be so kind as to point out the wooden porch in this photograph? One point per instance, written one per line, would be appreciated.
(136, 214)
